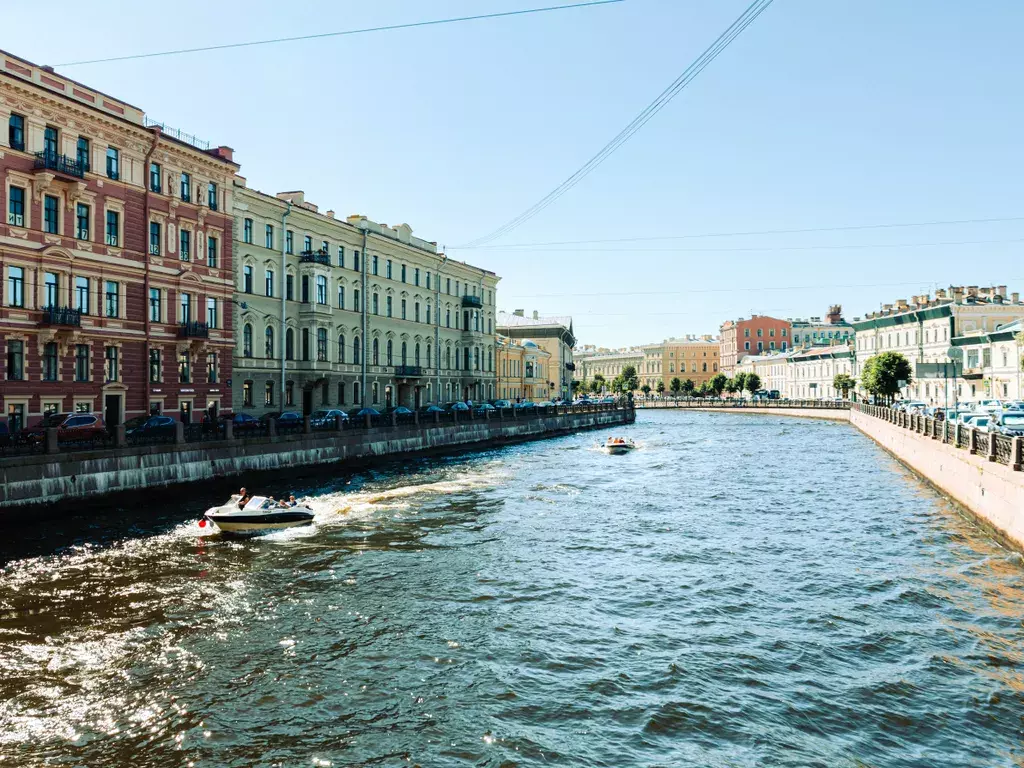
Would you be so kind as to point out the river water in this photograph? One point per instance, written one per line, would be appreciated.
(741, 591)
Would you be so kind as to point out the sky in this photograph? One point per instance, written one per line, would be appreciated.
(821, 115)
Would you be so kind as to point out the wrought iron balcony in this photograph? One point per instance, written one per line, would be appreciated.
(472, 301)
(194, 330)
(408, 371)
(62, 164)
(62, 316)
(315, 257)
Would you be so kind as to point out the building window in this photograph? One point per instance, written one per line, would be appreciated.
(321, 345)
(82, 153)
(186, 244)
(305, 344)
(268, 238)
(16, 207)
(268, 394)
(341, 297)
(110, 368)
(247, 231)
(404, 310)
(82, 221)
(51, 284)
(341, 348)
(154, 305)
(375, 264)
(326, 248)
(357, 303)
(341, 255)
(81, 362)
(16, 287)
(247, 340)
(186, 188)
(186, 307)
(155, 180)
(50, 361)
(211, 196)
(355, 260)
(211, 252)
(15, 360)
(289, 393)
(184, 369)
(154, 366)
(375, 304)
(427, 319)
(416, 312)
(268, 280)
(268, 343)
(289, 344)
(289, 241)
(355, 351)
(82, 295)
(289, 288)
(416, 276)
(428, 281)
(113, 228)
(387, 306)
(51, 215)
(154, 238)
(211, 312)
(376, 352)
(211, 368)
(305, 289)
(321, 289)
(760, 332)
(387, 270)
(112, 299)
(341, 393)
(16, 132)
(247, 394)
(247, 279)
(389, 353)
(113, 163)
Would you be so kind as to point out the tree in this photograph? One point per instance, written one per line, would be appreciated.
(676, 386)
(740, 380)
(598, 384)
(688, 387)
(577, 385)
(882, 374)
(718, 384)
(752, 382)
(730, 386)
(629, 379)
(704, 390)
(844, 383)
(660, 389)
(646, 389)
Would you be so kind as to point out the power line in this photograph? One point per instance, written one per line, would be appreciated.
(847, 228)
(721, 43)
(385, 28)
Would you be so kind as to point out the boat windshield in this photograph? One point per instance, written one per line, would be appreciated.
(258, 502)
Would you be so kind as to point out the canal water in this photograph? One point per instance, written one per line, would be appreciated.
(740, 591)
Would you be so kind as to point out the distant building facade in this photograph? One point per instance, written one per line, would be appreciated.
(696, 358)
(523, 371)
(754, 336)
(815, 332)
(811, 372)
(552, 334)
(607, 363)
(991, 363)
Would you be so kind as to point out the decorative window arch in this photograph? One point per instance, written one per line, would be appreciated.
(376, 352)
(247, 340)
(355, 350)
(390, 352)
(341, 348)
(268, 343)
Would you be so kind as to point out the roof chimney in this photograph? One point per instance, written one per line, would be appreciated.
(535, 315)
(330, 214)
(1014, 297)
(520, 313)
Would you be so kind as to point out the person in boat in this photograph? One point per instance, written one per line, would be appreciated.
(243, 497)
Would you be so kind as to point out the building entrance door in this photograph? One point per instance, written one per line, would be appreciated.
(112, 410)
(186, 411)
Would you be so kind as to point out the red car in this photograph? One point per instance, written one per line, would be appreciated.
(71, 427)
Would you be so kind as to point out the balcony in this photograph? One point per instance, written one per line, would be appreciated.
(973, 373)
(408, 371)
(472, 301)
(62, 164)
(62, 316)
(315, 257)
(193, 330)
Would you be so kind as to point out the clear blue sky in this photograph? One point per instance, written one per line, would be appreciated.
(820, 114)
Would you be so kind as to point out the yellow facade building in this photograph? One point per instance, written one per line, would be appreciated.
(696, 358)
(523, 370)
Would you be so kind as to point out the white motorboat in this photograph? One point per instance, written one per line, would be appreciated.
(619, 445)
(258, 515)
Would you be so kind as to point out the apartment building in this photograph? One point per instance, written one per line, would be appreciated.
(696, 358)
(353, 313)
(607, 363)
(810, 372)
(115, 256)
(753, 336)
(816, 331)
(990, 363)
(523, 371)
(552, 334)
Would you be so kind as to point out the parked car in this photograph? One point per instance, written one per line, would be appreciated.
(286, 419)
(432, 409)
(545, 404)
(457, 406)
(608, 400)
(481, 407)
(37, 432)
(1011, 423)
(71, 427)
(983, 423)
(242, 422)
(326, 417)
(525, 404)
(361, 412)
(401, 411)
(502, 404)
(154, 425)
(5, 435)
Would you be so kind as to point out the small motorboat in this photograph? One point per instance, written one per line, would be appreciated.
(258, 515)
(619, 445)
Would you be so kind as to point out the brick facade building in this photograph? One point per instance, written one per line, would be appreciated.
(115, 256)
(757, 335)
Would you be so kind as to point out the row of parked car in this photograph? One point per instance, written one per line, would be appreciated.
(1005, 417)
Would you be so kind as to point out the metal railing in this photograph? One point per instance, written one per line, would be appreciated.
(996, 447)
(194, 330)
(201, 432)
(174, 133)
(472, 301)
(737, 403)
(51, 161)
(319, 256)
(408, 371)
(62, 316)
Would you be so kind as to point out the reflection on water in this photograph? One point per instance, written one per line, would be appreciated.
(740, 591)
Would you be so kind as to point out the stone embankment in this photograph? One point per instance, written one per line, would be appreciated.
(978, 470)
(60, 477)
(808, 409)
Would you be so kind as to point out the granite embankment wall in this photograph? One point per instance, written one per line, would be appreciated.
(971, 476)
(832, 414)
(51, 478)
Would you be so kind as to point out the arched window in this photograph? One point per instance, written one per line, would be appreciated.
(247, 340)
(341, 393)
(704, 367)
(355, 351)
(416, 359)
(457, 359)
(341, 348)
(355, 394)
(428, 317)
(289, 344)
(391, 349)
(376, 352)
(428, 358)
(321, 345)
(268, 340)
(465, 359)
(405, 353)
(448, 358)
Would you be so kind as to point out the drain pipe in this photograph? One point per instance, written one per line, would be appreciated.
(147, 255)
(437, 324)
(281, 287)
(363, 300)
